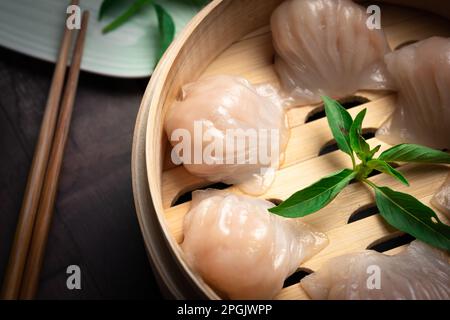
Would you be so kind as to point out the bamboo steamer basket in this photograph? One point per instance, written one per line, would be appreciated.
(233, 37)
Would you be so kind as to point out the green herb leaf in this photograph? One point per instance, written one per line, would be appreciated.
(340, 123)
(106, 6)
(166, 29)
(357, 142)
(132, 10)
(373, 151)
(314, 197)
(414, 153)
(385, 167)
(408, 214)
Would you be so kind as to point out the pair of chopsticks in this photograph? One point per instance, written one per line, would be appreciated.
(27, 253)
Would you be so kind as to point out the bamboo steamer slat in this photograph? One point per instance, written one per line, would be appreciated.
(233, 37)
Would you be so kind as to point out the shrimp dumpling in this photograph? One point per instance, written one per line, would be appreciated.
(441, 199)
(242, 250)
(418, 273)
(234, 134)
(422, 74)
(324, 47)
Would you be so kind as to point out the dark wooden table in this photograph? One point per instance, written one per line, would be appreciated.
(94, 225)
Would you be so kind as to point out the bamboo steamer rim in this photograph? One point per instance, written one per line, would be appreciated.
(150, 102)
(142, 159)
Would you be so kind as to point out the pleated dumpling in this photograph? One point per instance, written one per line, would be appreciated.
(441, 199)
(422, 74)
(232, 133)
(324, 47)
(420, 272)
(241, 249)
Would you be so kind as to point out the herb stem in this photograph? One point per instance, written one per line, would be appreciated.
(370, 183)
(353, 161)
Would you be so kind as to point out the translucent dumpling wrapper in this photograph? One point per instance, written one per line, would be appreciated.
(222, 129)
(324, 47)
(441, 199)
(242, 250)
(420, 272)
(422, 75)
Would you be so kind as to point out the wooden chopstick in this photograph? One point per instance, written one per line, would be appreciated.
(21, 242)
(48, 195)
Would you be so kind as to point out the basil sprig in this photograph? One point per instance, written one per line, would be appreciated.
(400, 210)
(340, 122)
(414, 153)
(316, 196)
(357, 142)
(408, 214)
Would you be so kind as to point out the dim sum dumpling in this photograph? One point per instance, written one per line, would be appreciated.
(215, 111)
(441, 199)
(242, 250)
(324, 47)
(422, 74)
(419, 272)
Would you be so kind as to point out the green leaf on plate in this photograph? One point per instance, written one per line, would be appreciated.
(106, 6)
(314, 197)
(166, 29)
(385, 167)
(357, 142)
(408, 214)
(132, 10)
(201, 3)
(340, 123)
(414, 153)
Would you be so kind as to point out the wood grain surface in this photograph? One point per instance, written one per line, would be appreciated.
(94, 225)
(36, 175)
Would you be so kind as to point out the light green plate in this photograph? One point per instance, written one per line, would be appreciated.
(35, 28)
